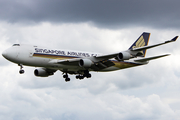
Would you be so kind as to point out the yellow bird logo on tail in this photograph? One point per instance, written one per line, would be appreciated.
(140, 43)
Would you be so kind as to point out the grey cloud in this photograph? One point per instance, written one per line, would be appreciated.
(49, 103)
(102, 13)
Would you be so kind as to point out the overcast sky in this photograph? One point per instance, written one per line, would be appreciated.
(102, 26)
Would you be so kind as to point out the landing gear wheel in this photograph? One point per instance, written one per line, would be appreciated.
(65, 76)
(21, 71)
(88, 76)
(67, 79)
(79, 77)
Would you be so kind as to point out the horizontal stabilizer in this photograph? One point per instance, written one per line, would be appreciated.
(150, 58)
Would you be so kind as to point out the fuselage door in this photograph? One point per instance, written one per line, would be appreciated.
(30, 53)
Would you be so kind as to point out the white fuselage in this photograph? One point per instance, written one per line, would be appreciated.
(41, 57)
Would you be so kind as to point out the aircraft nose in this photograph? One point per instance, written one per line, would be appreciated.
(10, 54)
(4, 54)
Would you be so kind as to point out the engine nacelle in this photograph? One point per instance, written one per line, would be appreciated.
(124, 56)
(42, 73)
(85, 63)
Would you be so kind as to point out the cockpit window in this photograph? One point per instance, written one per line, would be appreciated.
(16, 45)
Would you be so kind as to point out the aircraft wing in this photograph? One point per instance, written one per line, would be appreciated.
(97, 64)
(151, 46)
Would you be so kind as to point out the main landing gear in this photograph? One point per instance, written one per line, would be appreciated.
(80, 76)
(67, 79)
(86, 74)
(21, 71)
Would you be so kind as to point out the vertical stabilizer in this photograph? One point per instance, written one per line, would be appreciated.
(143, 40)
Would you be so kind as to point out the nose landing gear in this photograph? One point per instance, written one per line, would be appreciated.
(21, 71)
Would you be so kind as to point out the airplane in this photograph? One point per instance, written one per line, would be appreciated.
(80, 63)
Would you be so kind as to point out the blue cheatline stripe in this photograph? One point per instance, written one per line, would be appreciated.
(50, 55)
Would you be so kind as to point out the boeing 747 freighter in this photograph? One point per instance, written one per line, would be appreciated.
(80, 63)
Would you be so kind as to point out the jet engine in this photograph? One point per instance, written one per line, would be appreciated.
(85, 63)
(123, 56)
(42, 72)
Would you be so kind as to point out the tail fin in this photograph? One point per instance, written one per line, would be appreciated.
(143, 40)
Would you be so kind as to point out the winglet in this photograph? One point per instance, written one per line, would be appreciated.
(172, 40)
(175, 38)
